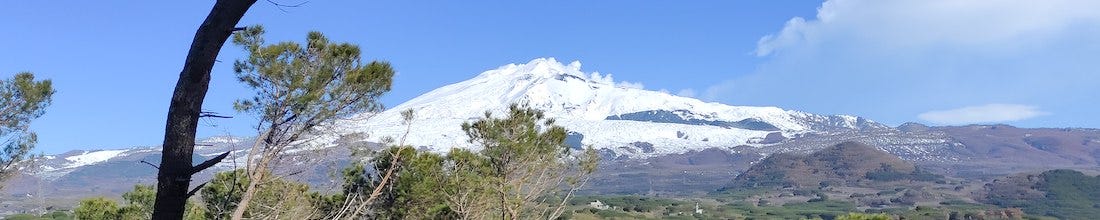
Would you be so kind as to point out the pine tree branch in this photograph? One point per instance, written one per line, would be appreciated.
(150, 164)
(212, 115)
(196, 189)
(209, 163)
(280, 6)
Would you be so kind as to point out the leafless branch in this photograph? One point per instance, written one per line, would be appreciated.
(196, 189)
(282, 7)
(206, 114)
(209, 163)
(150, 164)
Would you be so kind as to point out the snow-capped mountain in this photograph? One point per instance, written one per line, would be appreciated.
(654, 140)
(52, 167)
(615, 117)
(600, 112)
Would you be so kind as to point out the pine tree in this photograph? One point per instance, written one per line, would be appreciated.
(96, 208)
(22, 99)
(278, 198)
(525, 171)
(529, 163)
(139, 203)
(299, 88)
(221, 195)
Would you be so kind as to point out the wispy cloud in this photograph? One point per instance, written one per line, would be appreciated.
(916, 24)
(607, 79)
(888, 60)
(990, 113)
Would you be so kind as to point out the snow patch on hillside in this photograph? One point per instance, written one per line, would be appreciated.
(92, 157)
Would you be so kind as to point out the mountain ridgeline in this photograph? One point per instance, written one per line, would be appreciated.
(652, 143)
(848, 163)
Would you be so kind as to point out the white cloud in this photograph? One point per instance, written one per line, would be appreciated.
(608, 80)
(990, 113)
(888, 60)
(915, 24)
(791, 34)
(604, 79)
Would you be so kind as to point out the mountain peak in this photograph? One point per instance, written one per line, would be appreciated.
(606, 113)
(551, 68)
(543, 67)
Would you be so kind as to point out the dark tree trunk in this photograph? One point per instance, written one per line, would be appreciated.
(183, 113)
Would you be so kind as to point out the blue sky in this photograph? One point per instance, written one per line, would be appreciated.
(115, 63)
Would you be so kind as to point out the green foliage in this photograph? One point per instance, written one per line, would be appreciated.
(194, 211)
(139, 202)
(632, 203)
(827, 209)
(279, 197)
(741, 193)
(325, 204)
(358, 185)
(297, 88)
(416, 190)
(521, 173)
(1065, 194)
(887, 173)
(1069, 194)
(861, 216)
(23, 216)
(634, 207)
(525, 153)
(138, 205)
(22, 99)
(96, 208)
(300, 86)
(56, 215)
(221, 194)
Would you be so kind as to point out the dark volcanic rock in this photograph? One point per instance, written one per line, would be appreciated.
(664, 116)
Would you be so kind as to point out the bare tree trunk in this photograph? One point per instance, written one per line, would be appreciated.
(183, 113)
(246, 199)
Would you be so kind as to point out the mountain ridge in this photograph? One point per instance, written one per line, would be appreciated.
(608, 114)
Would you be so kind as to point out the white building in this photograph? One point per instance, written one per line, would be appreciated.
(598, 205)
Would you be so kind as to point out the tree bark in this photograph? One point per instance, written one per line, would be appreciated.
(176, 167)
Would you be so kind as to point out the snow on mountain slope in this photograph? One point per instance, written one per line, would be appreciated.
(92, 157)
(608, 115)
(600, 112)
(55, 166)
